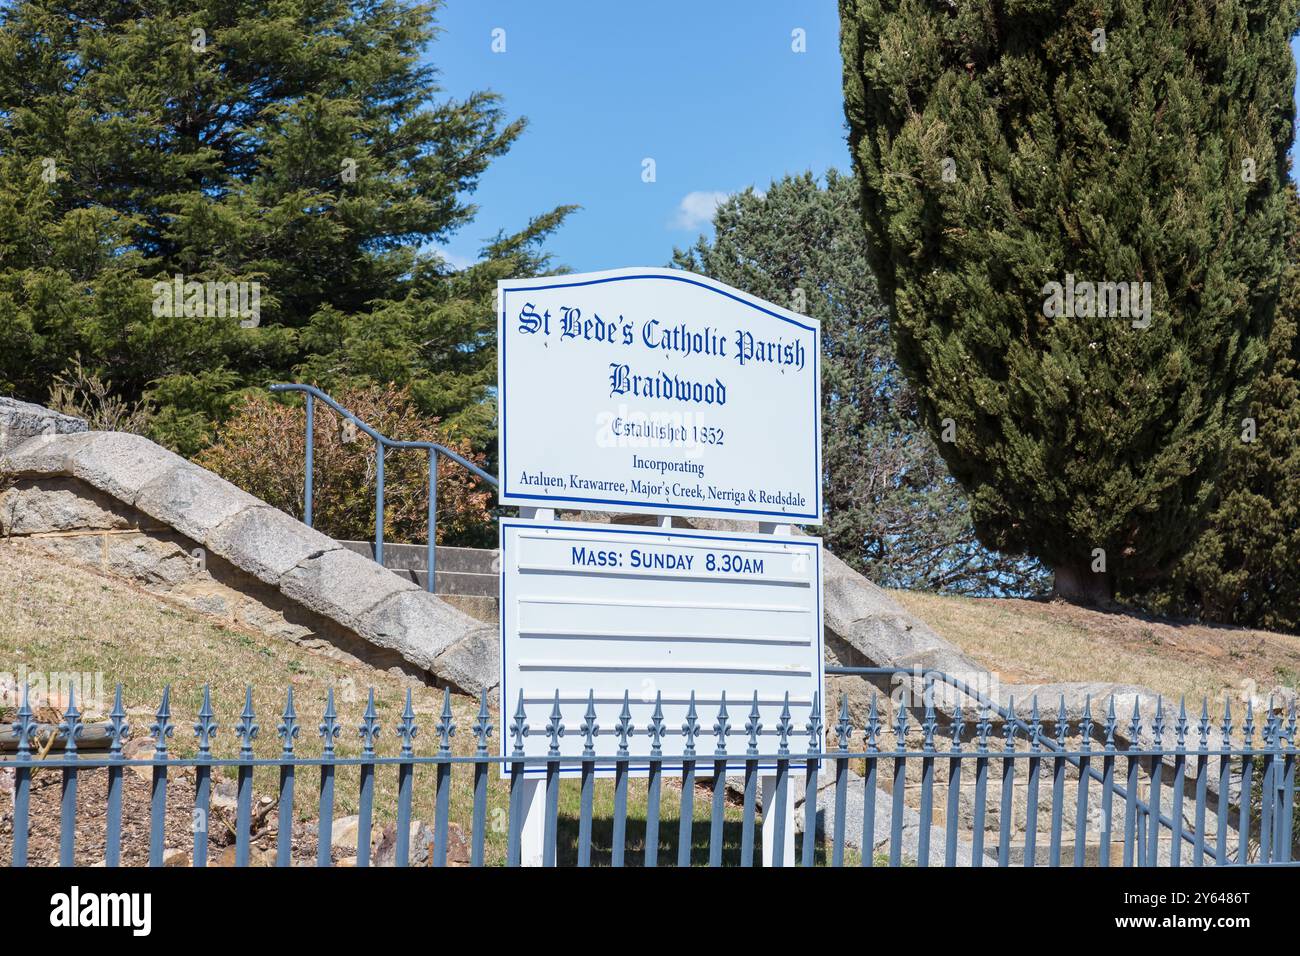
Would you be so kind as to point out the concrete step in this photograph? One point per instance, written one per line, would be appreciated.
(470, 573)
(414, 557)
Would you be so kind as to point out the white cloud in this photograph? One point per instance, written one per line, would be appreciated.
(456, 262)
(696, 209)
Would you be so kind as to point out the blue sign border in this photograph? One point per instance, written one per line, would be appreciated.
(644, 507)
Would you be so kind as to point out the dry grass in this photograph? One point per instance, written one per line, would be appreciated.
(1042, 641)
(58, 618)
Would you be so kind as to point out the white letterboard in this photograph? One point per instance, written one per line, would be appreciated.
(611, 608)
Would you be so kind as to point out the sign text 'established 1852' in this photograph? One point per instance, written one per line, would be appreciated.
(657, 391)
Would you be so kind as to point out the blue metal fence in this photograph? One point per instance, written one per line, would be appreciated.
(382, 444)
(1257, 830)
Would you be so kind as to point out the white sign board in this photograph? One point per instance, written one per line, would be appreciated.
(657, 612)
(660, 392)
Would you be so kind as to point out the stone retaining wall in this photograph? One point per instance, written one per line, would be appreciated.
(126, 505)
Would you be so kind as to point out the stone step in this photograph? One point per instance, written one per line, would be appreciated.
(414, 557)
(463, 572)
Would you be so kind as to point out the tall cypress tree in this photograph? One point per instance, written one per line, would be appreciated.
(1019, 161)
(892, 511)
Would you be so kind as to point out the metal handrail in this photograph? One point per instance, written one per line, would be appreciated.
(382, 442)
(1142, 807)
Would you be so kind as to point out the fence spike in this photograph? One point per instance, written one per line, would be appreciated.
(1085, 725)
(25, 724)
(554, 728)
(589, 726)
(206, 726)
(329, 725)
(814, 725)
(406, 726)
(1158, 725)
(288, 728)
(1062, 724)
(1248, 728)
(1181, 725)
(71, 725)
(1203, 727)
(1013, 722)
(984, 727)
(482, 726)
(722, 727)
(930, 724)
(162, 727)
(1227, 719)
(871, 733)
(783, 728)
(246, 728)
(1290, 724)
(118, 728)
(957, 727)
(369, 728)
(900, 727)
(843, 728)
(1035, 724)
(1111, 722)
(624, 727)
(753, 726)
(656, 726)
(1135, 727)
(690, 729)
(519, 727)
(446, 725)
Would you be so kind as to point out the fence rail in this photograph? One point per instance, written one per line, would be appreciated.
(382, 444)
(1153, 830)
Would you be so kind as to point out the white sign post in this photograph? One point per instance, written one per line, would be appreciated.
(657, 391)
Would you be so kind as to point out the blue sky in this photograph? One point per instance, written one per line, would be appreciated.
(710, 90)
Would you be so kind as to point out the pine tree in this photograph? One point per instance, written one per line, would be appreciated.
(1243, 568)
(892, 511)
(1014, 156)
(302, 145)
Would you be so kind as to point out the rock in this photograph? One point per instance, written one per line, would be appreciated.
(61, 504)
(472, 664)
(191, 499)
(416, 624)
(344, 833)
(267, 543)
(224, 795)
(342, 585)
(421, 846)
(176, 857)
(121, 464)
(20, 421)
(256, 857)
(139, 748)
(854, 806)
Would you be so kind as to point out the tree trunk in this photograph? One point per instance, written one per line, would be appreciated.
(1080, 584)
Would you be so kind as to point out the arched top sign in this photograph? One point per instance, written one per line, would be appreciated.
(657, 391)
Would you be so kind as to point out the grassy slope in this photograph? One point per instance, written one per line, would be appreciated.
(1041, 641)
(55, 618)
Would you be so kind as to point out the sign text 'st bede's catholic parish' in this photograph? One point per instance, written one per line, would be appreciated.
(656, 390)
